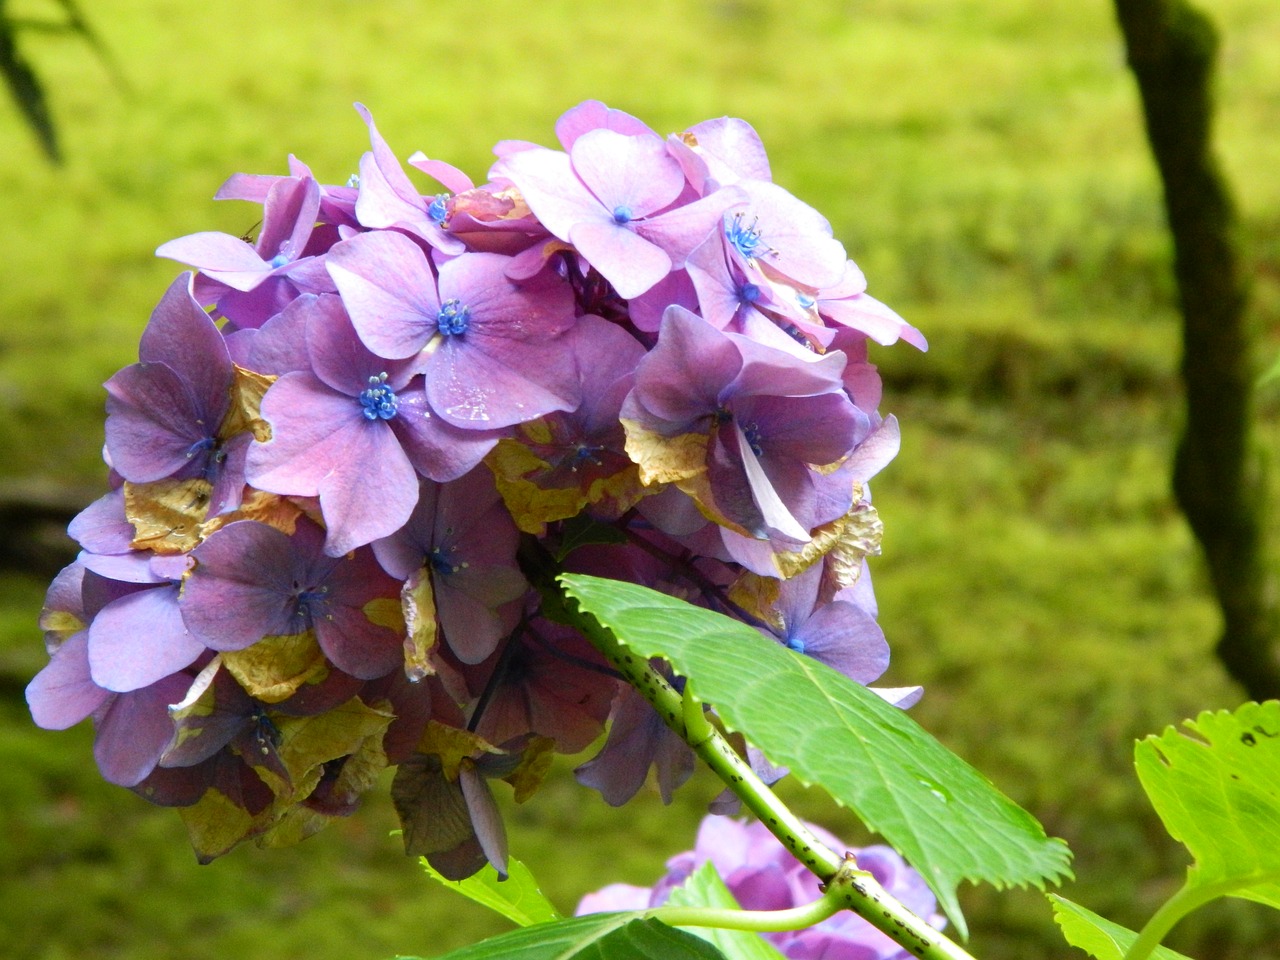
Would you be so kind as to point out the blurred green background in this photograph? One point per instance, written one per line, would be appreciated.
(983, 162)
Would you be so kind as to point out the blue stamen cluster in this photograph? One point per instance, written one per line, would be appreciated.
(379, 400)
(438, 209)
(454, 318)
(622, 214)
(745, 239)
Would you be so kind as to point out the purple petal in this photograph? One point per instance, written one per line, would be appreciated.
(847, 639)
(357, 646)
(289, 215)
(627, 260)
(102, 526)
(280, 346)
(435, 447)
(594, 115)
(679, 230)
(389, 291)
(154, 422)
(313, 430)
(486, 819)
(243, 586)
(184, 338)
(552, 190)
(876, 450)
(63, 693)
(220, 257)
(135, 730)
(140, 638)
(494, 382)
(681, 378)
(634, 174)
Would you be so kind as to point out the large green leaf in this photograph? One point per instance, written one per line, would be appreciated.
(940, 813)
(1217, 789)
(600, 936)
(1098, 936)
(704, 888)
(518, 898)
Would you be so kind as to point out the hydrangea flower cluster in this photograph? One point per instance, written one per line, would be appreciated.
(346, 441)
(762, 875)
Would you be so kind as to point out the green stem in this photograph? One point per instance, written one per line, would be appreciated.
(844, 884)
(1170, 912)
(754, 921)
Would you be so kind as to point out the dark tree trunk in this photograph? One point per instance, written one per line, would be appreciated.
(1217, 475)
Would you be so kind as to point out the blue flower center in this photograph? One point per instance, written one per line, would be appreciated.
(279, 260)
(749, 293)
(584, 456)
(751, 433)
(805, 300)
(444, 562)
(266, 735)
(438, 209)
(203, 445)
(745, 239)
(796, 644)
(454, 318)
(378, 400)
(622, 214)
(310, 604)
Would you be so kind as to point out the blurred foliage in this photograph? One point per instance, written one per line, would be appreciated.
(25, 86)
(984, 162)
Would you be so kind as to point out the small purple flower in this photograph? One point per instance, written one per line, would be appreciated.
(165, 413)
(388, 199)
(767, 417)
(253, 581)
(465, 540)
(354, 430)
(493, 356)
(763, 875)
(289, 216)
(613, 196)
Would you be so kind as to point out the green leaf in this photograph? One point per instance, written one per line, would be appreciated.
(27, 91)
(1098, 936)
(1217, 789)
(940, 813)
(518, 898)
(599, 936)
(704, 888)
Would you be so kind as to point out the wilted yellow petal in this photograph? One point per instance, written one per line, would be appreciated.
(860, 539)
(274, 668)
(533, 499)
(167, 514)
(245, 412)
(418, 621)
(758, 596)
(848, 540)
(533, 768)
(274, 511)
(307, 743)
(215, 825)
(530, 506)
(665, 459)
(60, 624)
(452, 745)
(359, 772)
(384, 612)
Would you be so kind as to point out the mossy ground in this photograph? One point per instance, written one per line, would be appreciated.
(984, 163)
